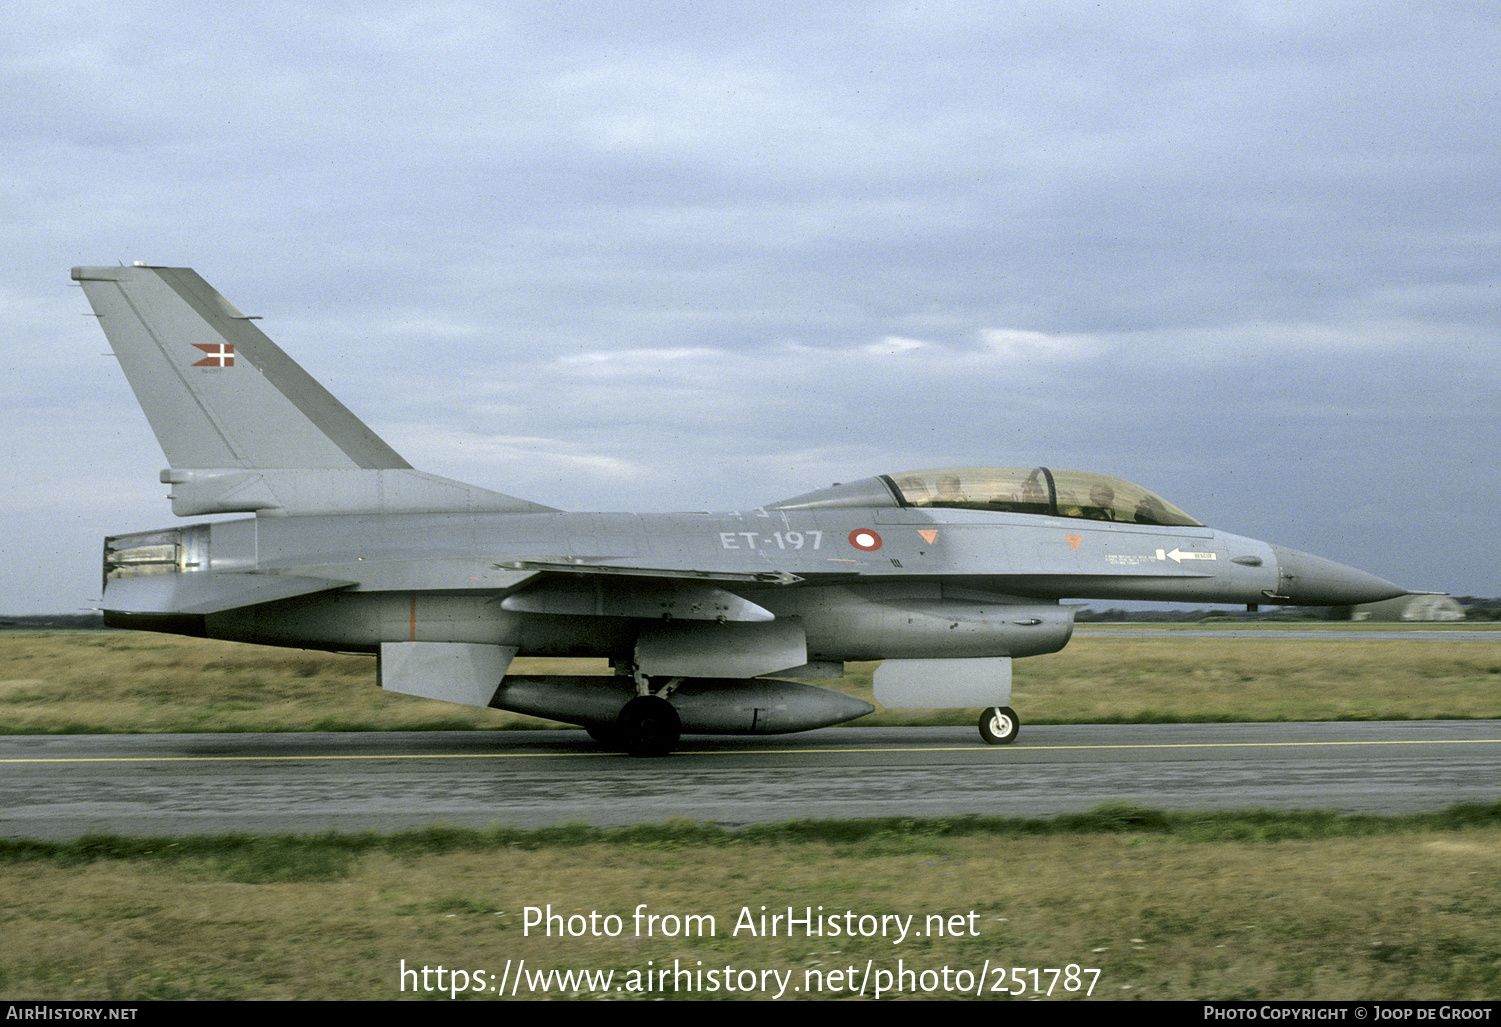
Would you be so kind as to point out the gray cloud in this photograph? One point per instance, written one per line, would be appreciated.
(612, 256)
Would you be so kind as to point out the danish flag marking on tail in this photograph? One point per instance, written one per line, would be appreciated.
(220, 354)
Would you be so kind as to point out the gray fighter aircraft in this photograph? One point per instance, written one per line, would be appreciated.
(945, 575)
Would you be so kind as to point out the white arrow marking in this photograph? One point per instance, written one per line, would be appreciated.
(1179, 555)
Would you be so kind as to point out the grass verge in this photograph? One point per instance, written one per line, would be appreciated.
(103, 682)
(1175, 906)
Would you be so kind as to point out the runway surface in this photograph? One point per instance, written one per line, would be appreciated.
(64, 786)
(1268, 634)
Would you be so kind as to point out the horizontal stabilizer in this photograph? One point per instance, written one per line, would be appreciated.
(206, 592)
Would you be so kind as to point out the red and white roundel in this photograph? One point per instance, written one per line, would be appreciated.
(865, 540)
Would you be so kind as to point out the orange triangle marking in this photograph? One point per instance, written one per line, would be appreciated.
(1074, 540)
(928, 534)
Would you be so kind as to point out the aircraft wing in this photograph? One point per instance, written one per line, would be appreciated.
(568, 588)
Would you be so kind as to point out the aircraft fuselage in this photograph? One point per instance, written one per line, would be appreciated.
(467, 577)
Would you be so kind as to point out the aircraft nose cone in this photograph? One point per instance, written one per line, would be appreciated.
(1314, 581)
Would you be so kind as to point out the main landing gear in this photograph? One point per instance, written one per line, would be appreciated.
(648, 725)
(999, 725)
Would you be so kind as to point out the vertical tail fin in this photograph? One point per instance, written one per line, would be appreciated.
(243, 426)
(217, 391)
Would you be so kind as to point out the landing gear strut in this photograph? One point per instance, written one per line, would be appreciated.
(648, 725)
(999, 725)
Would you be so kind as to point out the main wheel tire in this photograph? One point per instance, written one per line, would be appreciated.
(999, 725)
(648, 725)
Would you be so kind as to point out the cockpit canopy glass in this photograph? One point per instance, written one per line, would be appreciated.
(1037, 490)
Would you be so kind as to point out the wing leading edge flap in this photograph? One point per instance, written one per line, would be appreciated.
(206, 592)
(567, 566)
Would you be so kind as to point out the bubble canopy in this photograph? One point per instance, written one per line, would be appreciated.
(1037, 490)
(1024, 490)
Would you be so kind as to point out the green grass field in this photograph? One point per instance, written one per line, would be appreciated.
(106, 681)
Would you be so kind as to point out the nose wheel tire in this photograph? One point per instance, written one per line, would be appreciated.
(999, 725)
(648, 726)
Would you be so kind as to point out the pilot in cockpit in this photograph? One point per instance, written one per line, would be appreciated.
(1151, 511)
(949, 490)
(1101, 503)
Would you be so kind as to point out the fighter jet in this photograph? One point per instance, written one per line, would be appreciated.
(712, 622)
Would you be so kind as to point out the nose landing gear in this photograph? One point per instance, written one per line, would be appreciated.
(999, 725)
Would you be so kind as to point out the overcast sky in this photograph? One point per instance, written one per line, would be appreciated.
(666, 256)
